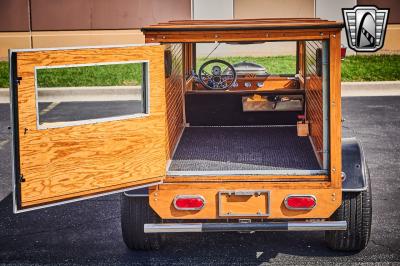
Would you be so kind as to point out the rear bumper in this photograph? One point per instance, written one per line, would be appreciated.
(244, 227)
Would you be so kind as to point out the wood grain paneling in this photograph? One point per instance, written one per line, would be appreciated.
(335, 116)
(75, 161)
(161, 199)
(174, 97)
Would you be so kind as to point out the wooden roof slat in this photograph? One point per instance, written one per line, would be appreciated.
(238, 23)
(258, 23)
(259, 29)
(237, 20)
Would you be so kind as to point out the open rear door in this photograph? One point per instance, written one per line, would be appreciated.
(75, 138)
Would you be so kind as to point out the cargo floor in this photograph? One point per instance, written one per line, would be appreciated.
(243, 148)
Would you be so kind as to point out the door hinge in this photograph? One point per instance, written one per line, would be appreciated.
(17, 81)
(21, 178)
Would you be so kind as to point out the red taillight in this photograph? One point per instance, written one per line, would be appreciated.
(300, 202)
(189, 202)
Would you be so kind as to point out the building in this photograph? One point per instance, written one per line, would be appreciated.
(60, 23)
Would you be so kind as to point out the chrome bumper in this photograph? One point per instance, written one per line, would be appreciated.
(244, 227)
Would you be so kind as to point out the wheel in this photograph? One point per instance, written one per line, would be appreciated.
(356, 210)
(135, 212)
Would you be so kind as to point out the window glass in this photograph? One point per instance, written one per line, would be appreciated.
(82, 94)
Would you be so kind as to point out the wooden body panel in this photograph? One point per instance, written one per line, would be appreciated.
(327, 188)
(174, 99)
(335, 117)
(241, 205)
(328, 199)
(77, 161)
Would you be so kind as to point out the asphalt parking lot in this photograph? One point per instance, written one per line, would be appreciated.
(89, 232)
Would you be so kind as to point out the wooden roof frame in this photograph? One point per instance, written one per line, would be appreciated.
(274, 29)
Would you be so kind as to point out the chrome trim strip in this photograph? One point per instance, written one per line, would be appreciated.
(135, 195)
(247, 172)
(317, 226)
(84, 198)
(299, 195)
(355, 189)
(224, 227)
(189, 197)
(173, 228)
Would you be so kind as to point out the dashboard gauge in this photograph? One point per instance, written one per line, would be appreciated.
(247, 84)
(260, 84)
(235, 84)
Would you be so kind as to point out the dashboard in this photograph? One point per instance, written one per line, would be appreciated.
(249, 76)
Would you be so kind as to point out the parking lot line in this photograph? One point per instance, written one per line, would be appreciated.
(3, 143)
(49, 108)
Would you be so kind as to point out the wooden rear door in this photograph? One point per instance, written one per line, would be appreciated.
(75, 154)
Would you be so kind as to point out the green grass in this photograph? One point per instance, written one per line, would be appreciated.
(371, 68)
(103, 75)
(354, 68)
(4, 74)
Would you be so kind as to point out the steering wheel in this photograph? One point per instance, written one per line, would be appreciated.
(213, 77)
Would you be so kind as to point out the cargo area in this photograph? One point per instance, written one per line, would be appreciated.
(270, 148)
(267, 124)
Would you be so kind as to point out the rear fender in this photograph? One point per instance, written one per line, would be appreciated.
(355, 171)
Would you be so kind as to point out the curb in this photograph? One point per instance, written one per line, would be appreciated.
(77, 94)
(379, 88)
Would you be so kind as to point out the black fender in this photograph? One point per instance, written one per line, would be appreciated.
(354, 167)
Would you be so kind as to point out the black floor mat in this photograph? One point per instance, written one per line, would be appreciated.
(243, 148)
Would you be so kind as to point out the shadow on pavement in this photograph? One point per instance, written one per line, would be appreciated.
(89, 232)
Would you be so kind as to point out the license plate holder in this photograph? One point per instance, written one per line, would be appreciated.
(244, 203)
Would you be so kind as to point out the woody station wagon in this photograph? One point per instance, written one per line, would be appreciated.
(211, 147)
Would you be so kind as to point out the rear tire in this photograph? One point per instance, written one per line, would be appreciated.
(135, 212)
(356, 210)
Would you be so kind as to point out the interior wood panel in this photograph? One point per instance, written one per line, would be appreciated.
(174, 98)
(75, 161)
